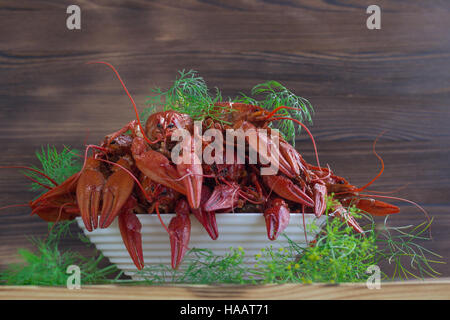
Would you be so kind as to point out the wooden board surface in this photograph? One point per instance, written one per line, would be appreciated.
(428, 290)
(360, 81)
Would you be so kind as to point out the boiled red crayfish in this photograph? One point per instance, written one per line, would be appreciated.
(132, 171)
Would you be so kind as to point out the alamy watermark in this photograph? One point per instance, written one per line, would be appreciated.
(73, 21)
(263, 147)
(74, 280)
(374, 20)
(374, 280)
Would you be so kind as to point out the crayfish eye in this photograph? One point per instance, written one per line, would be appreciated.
(158, 125)
(171, 125)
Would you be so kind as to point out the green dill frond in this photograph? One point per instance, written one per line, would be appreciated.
(339, 255)
(57, 165)
(188, 94)
(243, 98)
(47, 265)
(276, 95)
(202, 267)
(189, 91)
(143, 116)
(398, 246)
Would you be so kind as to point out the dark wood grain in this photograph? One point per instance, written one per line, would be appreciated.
(360, 81)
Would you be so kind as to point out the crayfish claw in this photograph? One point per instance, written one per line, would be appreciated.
(191, 173)
(116, 191)
(277, 218)
(59, 203)
(207, 218)
(343, 214)
(286, 189)
(158, 168)
(89, 190)
(179, 232)
(208, 221)
(376, 207)
(223, 197)
(320, 200)
(130, 230)
(291, 158)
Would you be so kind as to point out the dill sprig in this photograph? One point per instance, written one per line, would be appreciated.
(276, 95)
(57, 165)
(47, 266)
(399, 244)
(188, 94)
(339, 255)
(202, 267)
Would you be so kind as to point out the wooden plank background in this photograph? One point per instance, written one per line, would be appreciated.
(360, 81)
(409, 290)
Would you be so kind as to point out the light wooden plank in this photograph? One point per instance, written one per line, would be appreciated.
(428, 290)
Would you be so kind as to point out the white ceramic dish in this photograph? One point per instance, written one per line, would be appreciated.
(247, 230)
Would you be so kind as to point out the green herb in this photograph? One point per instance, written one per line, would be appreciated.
(203, 267)
(48, 265)
(399, 245)
(189, 94)
(276, 95)
(338, 255)
(57, 165)
(146, 113)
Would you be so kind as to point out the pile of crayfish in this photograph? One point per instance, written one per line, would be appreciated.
(131, 172)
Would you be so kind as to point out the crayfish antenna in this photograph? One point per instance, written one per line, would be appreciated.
(307, 131)
(57, 219)
(382, 164)
(389, 192)
(405, 200)
(15, 206)
(129, 96)
(33, 170)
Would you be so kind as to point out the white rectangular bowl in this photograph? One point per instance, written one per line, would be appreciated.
(246, 230)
